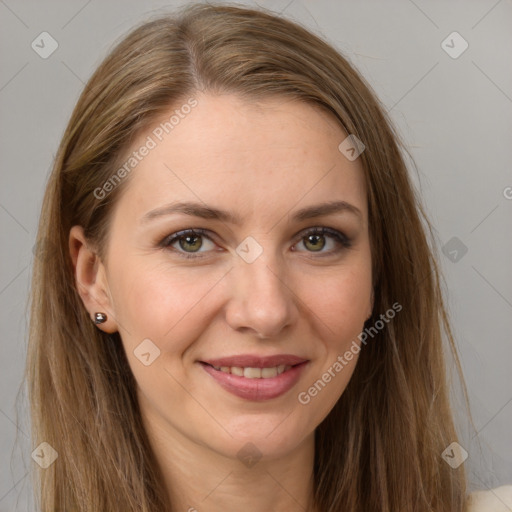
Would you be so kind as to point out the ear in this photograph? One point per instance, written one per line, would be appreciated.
(91, 279)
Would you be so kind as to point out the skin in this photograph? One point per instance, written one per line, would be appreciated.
(262, 161)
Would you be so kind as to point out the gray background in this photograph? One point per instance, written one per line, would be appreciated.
(454, 114)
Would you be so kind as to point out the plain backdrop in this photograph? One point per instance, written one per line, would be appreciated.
(453, 109)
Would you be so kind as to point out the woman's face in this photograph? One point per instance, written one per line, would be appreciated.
(255, 283)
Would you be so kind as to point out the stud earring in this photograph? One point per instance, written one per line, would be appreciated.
(99, 318)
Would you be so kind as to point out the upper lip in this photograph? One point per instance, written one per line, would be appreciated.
(253, 361)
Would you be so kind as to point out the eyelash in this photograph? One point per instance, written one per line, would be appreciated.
(340, 239)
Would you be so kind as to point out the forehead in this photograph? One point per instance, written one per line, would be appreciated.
(260, 157)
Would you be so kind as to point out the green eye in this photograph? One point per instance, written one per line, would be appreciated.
(316, 239)
(191, 241)
(317, 242)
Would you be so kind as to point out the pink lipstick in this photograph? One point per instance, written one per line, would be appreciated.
(256, 378)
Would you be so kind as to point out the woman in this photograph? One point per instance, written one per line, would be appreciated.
(239, 308)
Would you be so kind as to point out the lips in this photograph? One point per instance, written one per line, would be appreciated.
(249, 361)
(247, 385)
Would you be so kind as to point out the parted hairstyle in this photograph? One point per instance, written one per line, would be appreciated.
(379, 449)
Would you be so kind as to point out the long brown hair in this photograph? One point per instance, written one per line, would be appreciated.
(380, 447)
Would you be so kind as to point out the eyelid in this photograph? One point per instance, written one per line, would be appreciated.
(166, 242)
(339, 238)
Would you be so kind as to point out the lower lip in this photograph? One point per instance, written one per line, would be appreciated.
(257, 389)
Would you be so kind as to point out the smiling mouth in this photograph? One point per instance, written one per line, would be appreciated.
(253, 373)
(257, 383)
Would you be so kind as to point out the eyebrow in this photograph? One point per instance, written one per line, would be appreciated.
(207, 212)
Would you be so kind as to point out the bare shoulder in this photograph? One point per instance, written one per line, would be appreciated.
(494, 500)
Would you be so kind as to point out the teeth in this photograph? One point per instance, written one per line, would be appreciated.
(268, 372)
(235, 370)
(254, 373)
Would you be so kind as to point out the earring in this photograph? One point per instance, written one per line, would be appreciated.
(99, 318)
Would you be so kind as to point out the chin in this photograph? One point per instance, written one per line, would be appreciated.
(271, 436)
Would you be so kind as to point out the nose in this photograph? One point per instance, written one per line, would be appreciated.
(262, 301)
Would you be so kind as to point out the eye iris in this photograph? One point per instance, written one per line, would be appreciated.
(187, 239)
(314, 239)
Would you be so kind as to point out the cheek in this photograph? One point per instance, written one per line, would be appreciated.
(162, 304)
(341, 304)
(166, 306)
(341, 301)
